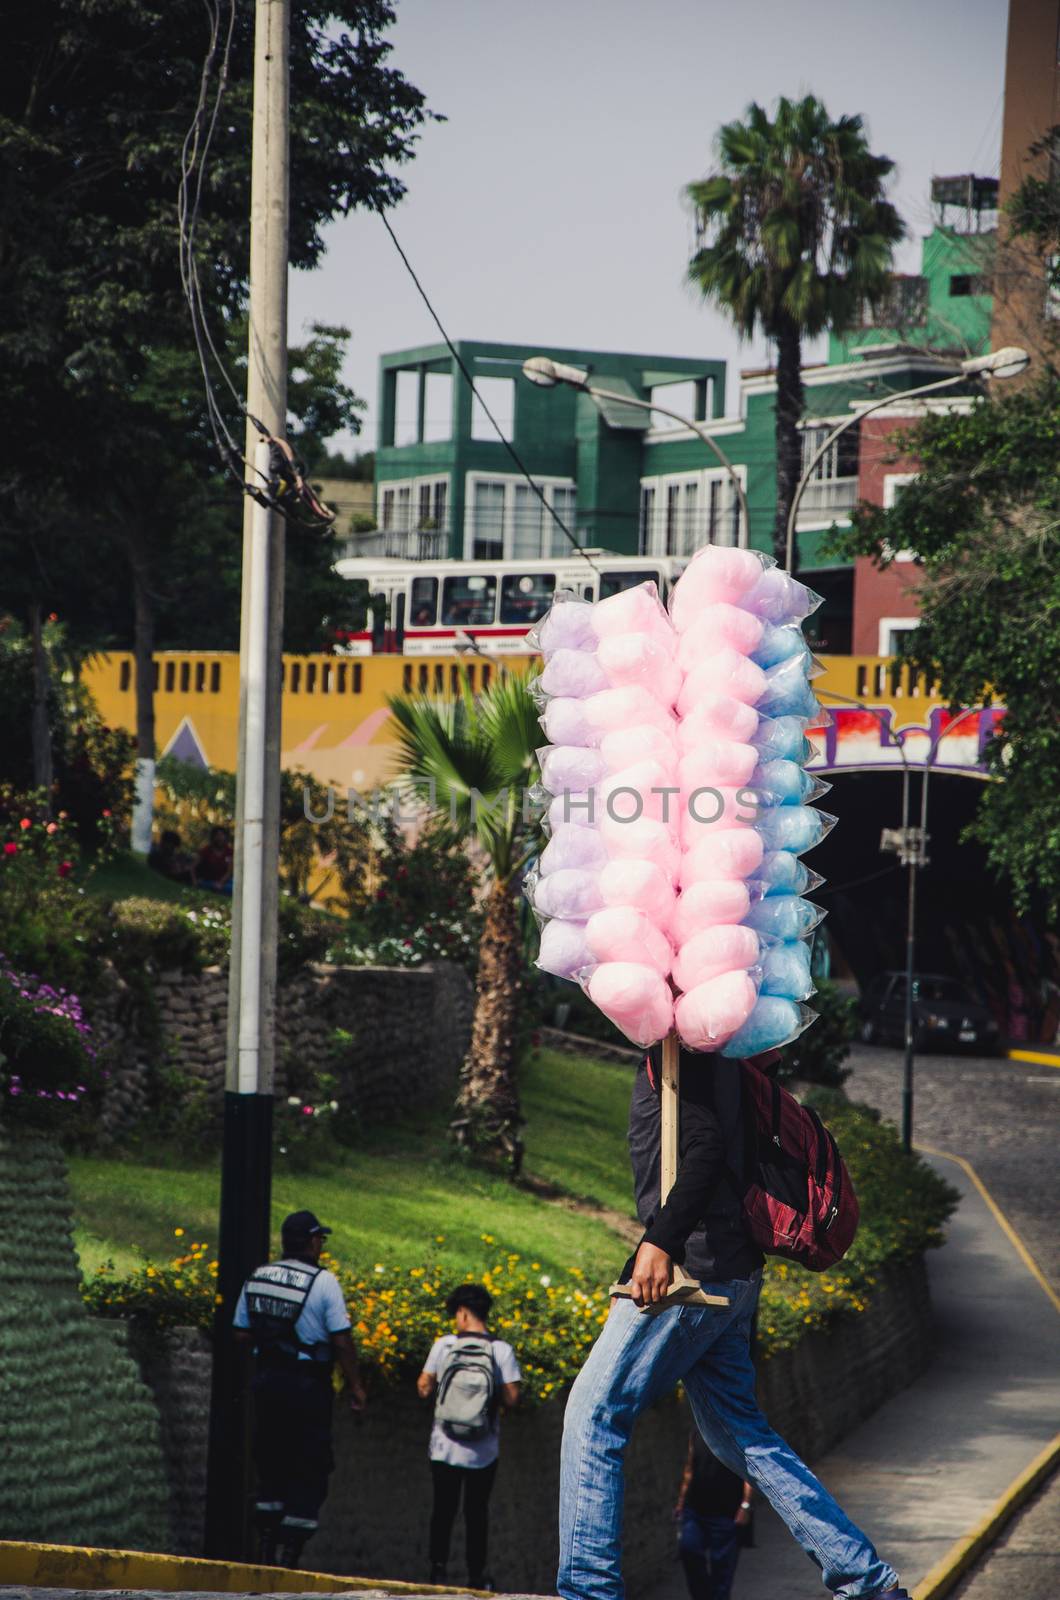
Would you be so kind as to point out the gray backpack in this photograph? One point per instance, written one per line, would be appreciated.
(467, 1388)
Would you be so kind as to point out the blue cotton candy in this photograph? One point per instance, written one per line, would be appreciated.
(783, 873)
(786, 970)
(788, 692)
(779, 644)
(783, 916)
(785, 779)
(781, 739)
(773, 1022)
(794, 828)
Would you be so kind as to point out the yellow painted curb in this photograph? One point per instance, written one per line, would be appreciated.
(1038, 1058)
(956, 1562)
(1000, 1218)
(65, 1566)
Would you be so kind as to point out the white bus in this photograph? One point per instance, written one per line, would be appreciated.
(418, 608)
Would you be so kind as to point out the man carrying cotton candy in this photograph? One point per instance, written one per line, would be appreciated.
(706, 939)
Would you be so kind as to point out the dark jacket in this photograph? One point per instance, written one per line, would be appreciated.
(701, 1225)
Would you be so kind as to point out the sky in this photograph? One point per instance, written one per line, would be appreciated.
(547, 209)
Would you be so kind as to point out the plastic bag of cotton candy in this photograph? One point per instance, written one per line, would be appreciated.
(672, 886)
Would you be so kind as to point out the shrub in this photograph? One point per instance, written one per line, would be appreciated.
(48, 1067)
(817, 1055)
(46, 925)
(168, 936)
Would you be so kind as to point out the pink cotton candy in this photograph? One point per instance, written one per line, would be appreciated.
(727, 673)
(563, 951)
(567, 625)
(711, 808)
(640, 790)
(570, 768)
(718, 627)
(715, 574)
(638, 658)
(635, 997)
(622, 933)
(717, 716)
(571, 846)
(626, 708)
(570, 893)
(717, 761)
(636, 610)
(647, 742)
(565, 722)
(573, 672)
(713, 951)
(574, 810)
(641, 884)
(722, 853)
(643, 840)
(711, 903)
(711, 1012)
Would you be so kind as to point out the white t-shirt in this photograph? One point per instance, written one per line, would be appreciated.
(323, 1313)
(470, 1452)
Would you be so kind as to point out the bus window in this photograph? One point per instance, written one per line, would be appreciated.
(615, 582)
(469, 602)
(379, 610)
(525, 597)
(423, 603)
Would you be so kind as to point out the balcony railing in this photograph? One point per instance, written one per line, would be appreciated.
(401, 544)
(832, 497)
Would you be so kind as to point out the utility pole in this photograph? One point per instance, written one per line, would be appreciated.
(246, 1160)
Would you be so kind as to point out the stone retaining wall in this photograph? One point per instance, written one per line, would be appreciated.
(408, 1031)
(375, 1519)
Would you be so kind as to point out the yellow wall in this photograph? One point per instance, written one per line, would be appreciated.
(335, 719)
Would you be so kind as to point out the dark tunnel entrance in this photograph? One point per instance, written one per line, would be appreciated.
(966, 926)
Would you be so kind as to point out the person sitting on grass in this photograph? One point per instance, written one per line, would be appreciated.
(167, 858)
(213, 870)
(472, 1377)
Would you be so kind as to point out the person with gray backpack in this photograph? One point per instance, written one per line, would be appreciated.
(471, 1376)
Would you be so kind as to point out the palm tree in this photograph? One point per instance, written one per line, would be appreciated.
(477, 754)
(793, 233)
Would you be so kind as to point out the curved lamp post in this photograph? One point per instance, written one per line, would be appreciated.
(1006, 363)
(547, 373)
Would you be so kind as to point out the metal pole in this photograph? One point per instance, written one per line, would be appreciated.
(247, 1147)
(910, 965)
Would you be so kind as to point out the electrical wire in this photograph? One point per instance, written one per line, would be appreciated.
(458, 358)
(284, 487)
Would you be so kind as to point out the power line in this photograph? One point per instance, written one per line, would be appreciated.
(458, 358)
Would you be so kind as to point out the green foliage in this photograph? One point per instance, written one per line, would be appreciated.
(49, 1076)
(983, 517)
(150, 934)
(794, 228)
(47, 925)
(82, 1462)
(475, 756)
(817, 1055)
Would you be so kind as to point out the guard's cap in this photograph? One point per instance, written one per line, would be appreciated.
(302, 1225)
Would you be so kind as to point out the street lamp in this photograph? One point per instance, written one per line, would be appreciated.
(547, 373)
(1006, 363)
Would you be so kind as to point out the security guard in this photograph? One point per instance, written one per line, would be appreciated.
(293, 1312)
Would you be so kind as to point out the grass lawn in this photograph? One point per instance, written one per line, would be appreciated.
(391, 1198)
(126, 875)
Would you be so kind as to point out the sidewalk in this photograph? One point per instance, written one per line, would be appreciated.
(929, 1465)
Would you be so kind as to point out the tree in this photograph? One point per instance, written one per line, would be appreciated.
(983, 518)
(477, 758)
(793, 233)
(93, 119)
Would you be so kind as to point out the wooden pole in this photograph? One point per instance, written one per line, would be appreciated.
(683, 1290)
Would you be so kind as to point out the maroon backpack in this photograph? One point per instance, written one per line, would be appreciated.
(798, 1200)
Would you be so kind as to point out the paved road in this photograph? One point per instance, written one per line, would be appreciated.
(1025, 1562)
(1002, 1116)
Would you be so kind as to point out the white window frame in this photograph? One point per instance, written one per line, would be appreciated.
(889, 625)
(509, 481)
(653, 538)
(431, 481)
(892, 482)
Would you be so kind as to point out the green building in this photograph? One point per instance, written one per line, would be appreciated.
(449, 467)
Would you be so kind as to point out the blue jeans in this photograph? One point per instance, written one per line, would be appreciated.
(709, 1548)
(637, 1360)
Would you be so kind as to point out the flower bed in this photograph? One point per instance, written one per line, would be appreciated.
(552, 1320)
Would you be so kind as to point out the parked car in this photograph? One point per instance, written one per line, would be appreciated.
(946, 1015)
